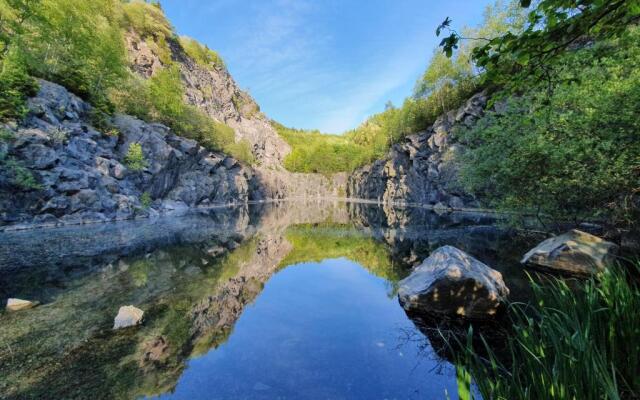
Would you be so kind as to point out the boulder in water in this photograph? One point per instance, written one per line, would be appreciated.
(128, 316)
(19, 304)
(452, 283)
(574, 252)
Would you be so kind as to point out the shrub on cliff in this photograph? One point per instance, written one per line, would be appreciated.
(80, 45)
(161, 99)
(134, 159)
(15, 86)
(148, 21)
(446, 84)
(201, 54)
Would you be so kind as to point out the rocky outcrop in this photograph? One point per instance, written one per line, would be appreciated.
(280, 184)
(452, 283)
(213, 90)
(574, 252)
(423, 169)
(81, 173)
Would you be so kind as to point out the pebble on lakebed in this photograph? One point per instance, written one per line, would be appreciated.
(19, 304)
(127, 316)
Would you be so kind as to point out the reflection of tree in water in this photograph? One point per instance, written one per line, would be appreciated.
(317, 242)
(413, 233)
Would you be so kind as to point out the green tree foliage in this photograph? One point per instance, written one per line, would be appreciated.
(147, 19)
(15, 86)
(75, 43)
(552, 27)
(241, 150)
(445, 85)
(161, 98)
(201, 54)
(80, 44)
(572, 153)
(314, 152)
(149, 22)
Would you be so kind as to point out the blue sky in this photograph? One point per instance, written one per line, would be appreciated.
(322, 64)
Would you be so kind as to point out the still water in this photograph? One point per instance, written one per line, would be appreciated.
(278, 301)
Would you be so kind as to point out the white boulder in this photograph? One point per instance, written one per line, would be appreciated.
(19, 304)
(128, 316)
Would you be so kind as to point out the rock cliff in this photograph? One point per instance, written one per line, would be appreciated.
(423, 168)
(81, 173)
(213, 90)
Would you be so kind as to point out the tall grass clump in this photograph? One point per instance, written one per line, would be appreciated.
(573, 343)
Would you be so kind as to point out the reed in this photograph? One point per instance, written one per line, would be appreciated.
(576, 340)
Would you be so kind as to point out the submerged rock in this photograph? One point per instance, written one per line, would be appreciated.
(19, 304)
(575, 252)
(127, 316)
(451, 282)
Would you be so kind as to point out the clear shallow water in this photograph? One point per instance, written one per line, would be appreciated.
(324, 330)
(287, 301)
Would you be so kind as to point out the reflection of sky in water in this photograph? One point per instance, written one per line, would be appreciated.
(328, 327)
(324, 330)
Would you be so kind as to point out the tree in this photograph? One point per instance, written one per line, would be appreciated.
(553, 26)
(569, 153)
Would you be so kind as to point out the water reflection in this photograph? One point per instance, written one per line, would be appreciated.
(323, 319)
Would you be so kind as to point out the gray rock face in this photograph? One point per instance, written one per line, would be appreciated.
(213, 90)
(452, 283)
(573, 252)
(83, 176)
(423, 169)
(280, 184)
(127, 316)
(18, 304)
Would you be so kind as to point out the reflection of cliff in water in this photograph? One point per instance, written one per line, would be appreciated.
(412, 233)
(193, 276)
